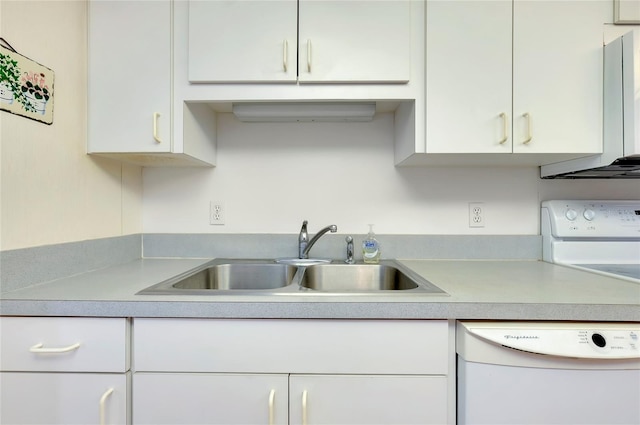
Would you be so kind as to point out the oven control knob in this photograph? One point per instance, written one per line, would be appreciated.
(598, 340)
(589, 214)
(571, 214)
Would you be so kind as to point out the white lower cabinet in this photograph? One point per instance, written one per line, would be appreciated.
(340, 372)
(64, 370)
(243, 399)
(220, 399)
(63, 398)
(367, 399)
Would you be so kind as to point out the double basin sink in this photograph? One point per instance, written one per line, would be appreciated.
(241, 276)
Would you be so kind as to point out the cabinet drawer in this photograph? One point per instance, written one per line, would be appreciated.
(64, 344)
(291, 346)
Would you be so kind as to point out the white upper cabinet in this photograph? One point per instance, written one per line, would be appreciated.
(515, 77)
(129, 76)
(306, 41)
(558, 75)
(242, 41)
(132, 115)
(357, 41)
(468, 76)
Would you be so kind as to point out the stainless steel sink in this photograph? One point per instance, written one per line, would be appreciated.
(229, 275)
(239, 276)
(363, 278)
(267, 277)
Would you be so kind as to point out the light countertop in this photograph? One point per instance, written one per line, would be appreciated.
(476, 289)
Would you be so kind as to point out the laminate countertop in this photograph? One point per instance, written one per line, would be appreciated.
(475, 289)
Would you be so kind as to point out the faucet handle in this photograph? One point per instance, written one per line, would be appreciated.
(349, 259)
(303, 239)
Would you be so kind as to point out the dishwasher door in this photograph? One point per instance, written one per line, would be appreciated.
(548, 373)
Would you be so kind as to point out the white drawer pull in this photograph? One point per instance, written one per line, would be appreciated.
(285, 55)
(38, 348)
(103, 401)
(272, 396)
(156, 137)
(304, 407)
(505, 130)
(309, 55)
(529, 136)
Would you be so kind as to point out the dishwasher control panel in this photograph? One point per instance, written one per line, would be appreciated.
(576, 340)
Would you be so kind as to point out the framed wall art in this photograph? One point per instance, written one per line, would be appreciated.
(26, 87)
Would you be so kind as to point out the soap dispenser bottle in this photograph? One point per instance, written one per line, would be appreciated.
(371, 248)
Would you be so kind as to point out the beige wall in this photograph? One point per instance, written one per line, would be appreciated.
(51, 191)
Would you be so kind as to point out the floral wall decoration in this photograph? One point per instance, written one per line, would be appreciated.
(26, 87)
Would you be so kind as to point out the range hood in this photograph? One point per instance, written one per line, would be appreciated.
(621, 137)
(304, 111)
(627, 167)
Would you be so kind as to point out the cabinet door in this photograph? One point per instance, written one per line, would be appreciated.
(468, 77)
(354, 41)
(209, 399)
(557, 71)
(63, 398)
(240, 40)
(129, 76)
(365, 400)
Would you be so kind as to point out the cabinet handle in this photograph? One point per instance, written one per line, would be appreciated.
(156, 115)
(309, 55)
(304, 407)
(529, 136)
(272, 396)
(103, 401)
(505, 130)
(38, 348)
(285, 55)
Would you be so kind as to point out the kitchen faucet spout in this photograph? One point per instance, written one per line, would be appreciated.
(304, 244)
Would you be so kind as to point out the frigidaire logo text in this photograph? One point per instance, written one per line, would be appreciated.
(521, 337)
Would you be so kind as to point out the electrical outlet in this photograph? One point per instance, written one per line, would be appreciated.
(217, 213)
(476, 214)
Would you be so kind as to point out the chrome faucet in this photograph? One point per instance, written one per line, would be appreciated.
(304, 244)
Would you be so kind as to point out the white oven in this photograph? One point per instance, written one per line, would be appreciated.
(598, 236)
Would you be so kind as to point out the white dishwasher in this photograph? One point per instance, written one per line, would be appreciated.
(548, 373)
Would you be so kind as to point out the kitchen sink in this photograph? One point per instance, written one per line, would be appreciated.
(363, 278)
(240, 277)
(227, 275)
(268, 277)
